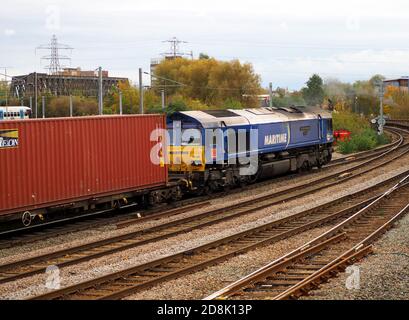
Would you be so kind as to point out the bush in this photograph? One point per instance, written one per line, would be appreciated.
(363, 137)
(349, 121)
(366, 140)
(345, 147)
(60, 106)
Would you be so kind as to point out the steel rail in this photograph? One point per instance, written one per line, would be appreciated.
(93, 250)
(10, 272)
(57, 228)
(379, 210)
(123, 283)
(69, 256)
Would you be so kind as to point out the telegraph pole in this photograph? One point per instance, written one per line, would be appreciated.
(70, 105)
(35, 95)
(381, 121)
(271, 94)
(355, 105)
(100, 101)
(120, 102)
(5, 78)
(140, 92)
(43, 101)
(381, 110)
(163, 99)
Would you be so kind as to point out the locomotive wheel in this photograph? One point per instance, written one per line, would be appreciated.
(305, 167)
(26, 218)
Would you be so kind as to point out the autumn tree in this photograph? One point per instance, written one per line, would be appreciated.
(4, 88)
(396, 102)
(59, 106)
(213, 82)
(130, 99)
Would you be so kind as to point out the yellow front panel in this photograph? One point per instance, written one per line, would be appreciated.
(186, 158)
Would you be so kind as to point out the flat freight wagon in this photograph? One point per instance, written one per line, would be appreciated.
(76, 163)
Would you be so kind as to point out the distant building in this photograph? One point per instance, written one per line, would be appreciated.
(68, 81)
(154, 64)
(402, 83)
(77, 72)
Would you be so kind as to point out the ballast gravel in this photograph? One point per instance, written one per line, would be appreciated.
(35, 285)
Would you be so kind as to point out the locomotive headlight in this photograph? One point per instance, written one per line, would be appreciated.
(329, 137)
(196, 163)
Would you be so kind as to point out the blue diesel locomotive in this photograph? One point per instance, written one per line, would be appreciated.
(210, 149)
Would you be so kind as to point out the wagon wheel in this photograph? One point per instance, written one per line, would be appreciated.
(176, 194)
(26, 218)
(207, 190)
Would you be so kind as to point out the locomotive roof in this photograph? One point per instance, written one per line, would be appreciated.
(238, 117)
(208, 120)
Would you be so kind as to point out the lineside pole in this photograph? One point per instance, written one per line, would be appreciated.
(100, 101)
(120, 102)
(140, 92)
(35, 95)
(43, 102)
(71, 106)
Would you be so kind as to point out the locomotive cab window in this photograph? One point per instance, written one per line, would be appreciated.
(191, 137)
(329, 121)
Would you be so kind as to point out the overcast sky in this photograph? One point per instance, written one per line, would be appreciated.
(286, 41)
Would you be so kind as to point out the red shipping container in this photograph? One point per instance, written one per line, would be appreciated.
(47, 162)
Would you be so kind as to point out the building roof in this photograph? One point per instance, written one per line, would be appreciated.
(397, 79)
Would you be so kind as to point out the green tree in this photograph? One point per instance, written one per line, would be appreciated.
(203, 56)
(314, 92)
(376, 80)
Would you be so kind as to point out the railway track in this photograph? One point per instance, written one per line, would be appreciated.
(302, 270)
(24, 268)
(20, 237)
(126, 282)
(27, 267)
(41, 232)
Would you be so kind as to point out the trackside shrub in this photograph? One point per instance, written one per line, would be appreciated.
(365, 140)
(363, 137)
